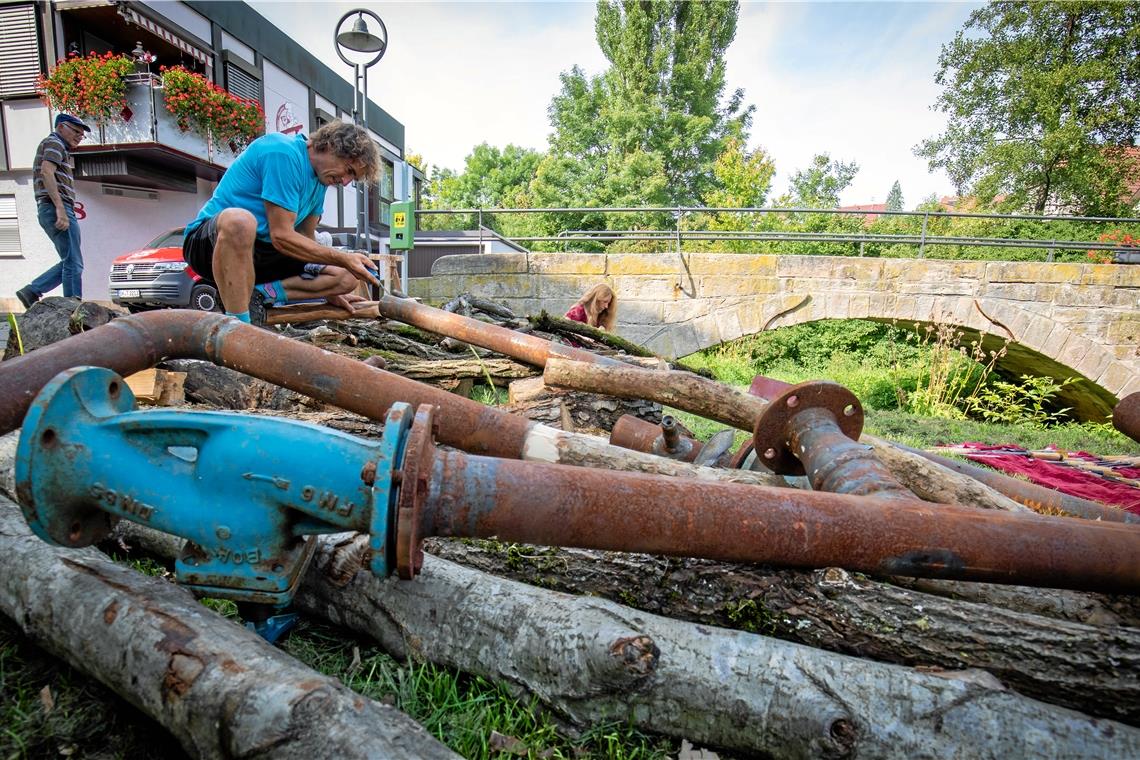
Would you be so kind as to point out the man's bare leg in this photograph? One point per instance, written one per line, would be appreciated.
(233, 258)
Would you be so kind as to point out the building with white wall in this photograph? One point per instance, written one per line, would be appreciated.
(139, 175)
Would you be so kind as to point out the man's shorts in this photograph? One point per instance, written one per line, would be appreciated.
(269, 264)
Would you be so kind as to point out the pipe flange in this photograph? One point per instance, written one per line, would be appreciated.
(415, 477)
(772, 435)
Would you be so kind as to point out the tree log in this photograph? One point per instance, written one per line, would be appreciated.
(218, 688)
(594, 661)
(1091, 668)
(285, 315)
(500, 370)
(550, 323)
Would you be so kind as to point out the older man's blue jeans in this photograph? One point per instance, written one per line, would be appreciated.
(69, 271)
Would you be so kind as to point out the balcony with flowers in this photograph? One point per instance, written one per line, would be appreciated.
(152, 130)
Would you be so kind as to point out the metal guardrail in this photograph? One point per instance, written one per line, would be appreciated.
(678, 235)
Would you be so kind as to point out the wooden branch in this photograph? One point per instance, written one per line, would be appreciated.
(1090, 666)
(550, 323)
(501, 370)
(284, 315)
(220, 689)
(680, 390)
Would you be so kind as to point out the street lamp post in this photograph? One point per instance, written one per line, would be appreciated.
(359, 39)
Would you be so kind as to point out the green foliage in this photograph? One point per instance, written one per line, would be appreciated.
(927, 370)
(648, 130)
(1026, 402)
(1039, 95)
(895, 197)
(49, 710)
(459, 709)
(820, 184)
(921, 432)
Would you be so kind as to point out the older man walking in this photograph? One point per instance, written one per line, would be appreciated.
(54, 186)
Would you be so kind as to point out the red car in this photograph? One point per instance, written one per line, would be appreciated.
(155, 277)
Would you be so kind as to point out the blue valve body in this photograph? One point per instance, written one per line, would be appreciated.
(245, 491)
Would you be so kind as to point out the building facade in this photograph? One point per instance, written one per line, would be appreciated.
(139, 174)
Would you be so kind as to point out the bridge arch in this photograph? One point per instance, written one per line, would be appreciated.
(1062, 319)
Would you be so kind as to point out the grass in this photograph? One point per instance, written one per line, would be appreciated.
(463, 710)
(47, 709)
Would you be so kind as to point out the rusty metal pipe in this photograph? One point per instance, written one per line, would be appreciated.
(1126, 416)
(664, 440)
(813, 429)
(455, 494)
(526, 348)
(655, 386)
(131, 344)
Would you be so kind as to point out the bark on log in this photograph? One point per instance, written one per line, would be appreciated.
(46, 322)
(286, 315)
(593, 661)
(207, 383)
(500, 370)
(1091, 668)
(220, 689)
(933, 482)
(550, 323)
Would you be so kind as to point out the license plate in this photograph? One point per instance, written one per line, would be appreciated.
(128, 294)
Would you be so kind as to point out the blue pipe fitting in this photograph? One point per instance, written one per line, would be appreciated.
(245, 491)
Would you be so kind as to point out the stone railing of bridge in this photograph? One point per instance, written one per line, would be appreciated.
(1063, 320)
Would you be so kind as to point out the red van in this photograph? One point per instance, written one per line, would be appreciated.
(156, 276)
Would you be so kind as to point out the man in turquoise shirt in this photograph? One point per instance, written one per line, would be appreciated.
(256, 237)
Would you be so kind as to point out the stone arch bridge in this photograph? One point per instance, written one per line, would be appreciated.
(1060, 319)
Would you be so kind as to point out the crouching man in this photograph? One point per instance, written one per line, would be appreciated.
(256, 237)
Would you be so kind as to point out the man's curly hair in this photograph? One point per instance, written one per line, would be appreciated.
(350, 142)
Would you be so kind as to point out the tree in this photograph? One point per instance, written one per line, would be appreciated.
(895, 197)
(819, 185)
(647, 130)
(491, 178)
(1042, 100)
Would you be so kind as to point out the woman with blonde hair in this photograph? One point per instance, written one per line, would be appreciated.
(598, 308)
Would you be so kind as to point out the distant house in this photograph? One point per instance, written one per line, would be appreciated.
(872, 210)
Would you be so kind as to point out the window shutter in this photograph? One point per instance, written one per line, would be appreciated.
(19, 51)
(9, 227)
(242, 84)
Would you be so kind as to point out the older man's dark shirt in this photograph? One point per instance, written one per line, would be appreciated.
(53, 148)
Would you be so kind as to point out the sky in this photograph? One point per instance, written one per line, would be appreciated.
(854, 80)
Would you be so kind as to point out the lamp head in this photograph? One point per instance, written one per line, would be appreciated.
(360, 40)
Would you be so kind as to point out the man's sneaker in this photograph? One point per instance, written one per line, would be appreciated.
(27, 297)
(257, 310)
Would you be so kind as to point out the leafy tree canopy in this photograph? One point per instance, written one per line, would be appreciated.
(1042, 97)
(895, 197)
(648, 130)
(820, 184)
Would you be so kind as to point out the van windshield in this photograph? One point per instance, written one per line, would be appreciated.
(170, 239)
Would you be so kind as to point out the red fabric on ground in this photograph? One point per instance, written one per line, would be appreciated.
(1063, 478)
